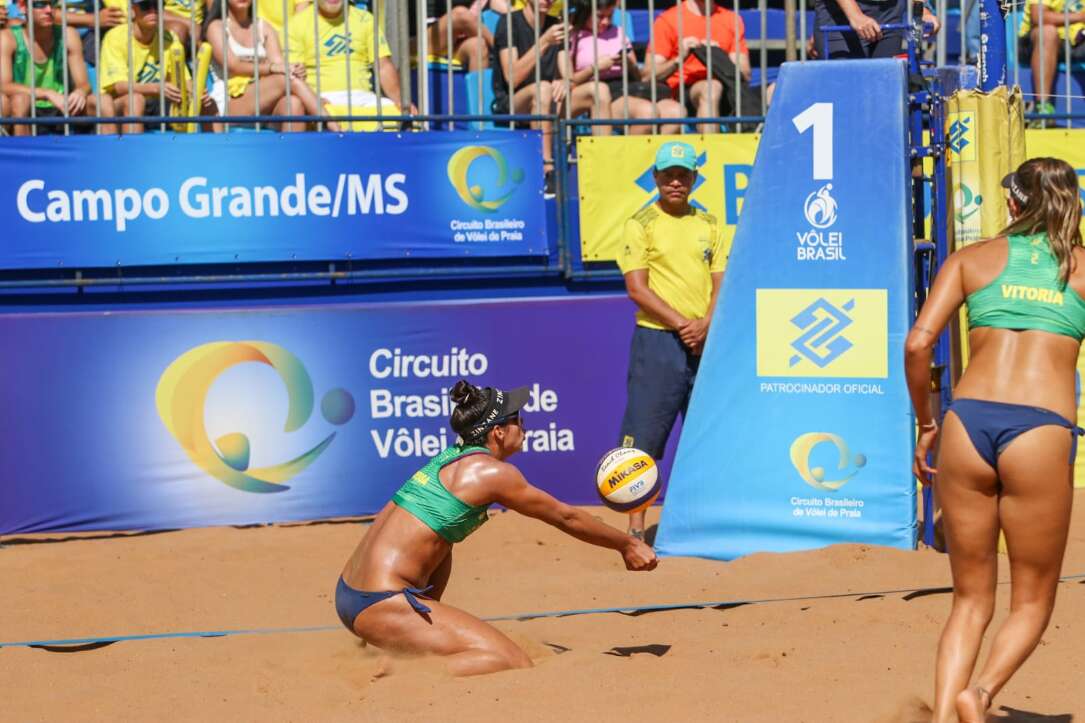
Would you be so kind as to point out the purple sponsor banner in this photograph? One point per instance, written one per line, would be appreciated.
(164, 419)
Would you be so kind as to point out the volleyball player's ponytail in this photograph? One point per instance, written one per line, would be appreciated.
(471, 403)
(1053, 205)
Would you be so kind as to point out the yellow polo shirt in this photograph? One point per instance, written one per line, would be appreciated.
(331, 48)
(147, 65)
(680, 253)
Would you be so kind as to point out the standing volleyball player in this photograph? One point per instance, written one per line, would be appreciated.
(1007, 449)
(672, 258)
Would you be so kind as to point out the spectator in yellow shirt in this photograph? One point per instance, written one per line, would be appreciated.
(182, 17)
(135, 89)
(248, 45)
(339, 58)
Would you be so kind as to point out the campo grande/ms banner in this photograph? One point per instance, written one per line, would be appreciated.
(163, 199)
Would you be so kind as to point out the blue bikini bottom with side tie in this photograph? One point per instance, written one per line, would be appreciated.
(349, 603)
(993, 425)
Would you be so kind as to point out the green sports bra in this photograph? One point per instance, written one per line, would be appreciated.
(1028, 294)
(426, 498)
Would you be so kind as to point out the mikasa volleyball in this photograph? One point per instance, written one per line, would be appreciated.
(627, 479)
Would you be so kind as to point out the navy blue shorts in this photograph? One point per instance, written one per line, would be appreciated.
(848, 45)
(349, 602)
(993, 425)
(661, 375)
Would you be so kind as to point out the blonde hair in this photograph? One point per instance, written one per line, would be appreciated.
(1052, 205)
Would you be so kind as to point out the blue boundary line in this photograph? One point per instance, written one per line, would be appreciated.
(625, 610)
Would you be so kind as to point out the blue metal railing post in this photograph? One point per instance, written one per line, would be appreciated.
(992, 61)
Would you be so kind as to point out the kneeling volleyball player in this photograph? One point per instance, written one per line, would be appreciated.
(389, 593)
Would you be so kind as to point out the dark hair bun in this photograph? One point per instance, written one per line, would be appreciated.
(465, 393)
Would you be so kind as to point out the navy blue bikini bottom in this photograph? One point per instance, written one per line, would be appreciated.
(993, 425)
(349, 603)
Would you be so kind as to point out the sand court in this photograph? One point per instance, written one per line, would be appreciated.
(836, 655)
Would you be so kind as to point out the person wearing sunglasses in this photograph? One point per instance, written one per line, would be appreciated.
(136, 89)
(389, 593)
(32, 70)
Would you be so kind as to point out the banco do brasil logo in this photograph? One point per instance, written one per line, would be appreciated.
(822, 333)
(802, 449)
(822, 327)
(962, 136)
(820, 207)
(464, 167)
(181, 397)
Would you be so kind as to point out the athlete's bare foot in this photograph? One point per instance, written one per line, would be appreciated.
(972, 705)
(385, 667)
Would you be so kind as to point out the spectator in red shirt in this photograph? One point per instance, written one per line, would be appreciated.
(726, 33)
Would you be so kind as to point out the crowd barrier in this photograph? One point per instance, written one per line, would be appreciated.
(363, 65)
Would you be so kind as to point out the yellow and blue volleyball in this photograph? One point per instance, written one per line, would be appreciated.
(627, 479)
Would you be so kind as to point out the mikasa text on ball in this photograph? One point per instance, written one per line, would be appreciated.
(627, 479)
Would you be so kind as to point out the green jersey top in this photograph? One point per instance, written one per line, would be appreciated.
(426, 498)
(1028, 293)
(48, 75)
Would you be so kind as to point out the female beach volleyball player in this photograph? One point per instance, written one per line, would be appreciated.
(407, 553)
(1008, 442)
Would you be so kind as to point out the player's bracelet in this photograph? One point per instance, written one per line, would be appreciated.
(933, 424)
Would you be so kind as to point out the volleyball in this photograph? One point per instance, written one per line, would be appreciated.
(627, 479)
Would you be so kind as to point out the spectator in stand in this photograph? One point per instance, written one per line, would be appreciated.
(26, 81)
(81, 17)
(1057, 13)
(866, 18)
(727, 43)
(135, 89)
(612, 47)
(182, 17)
(471, 39)
(254, 45)
(515, 57)
(338, 65)
(271, 12)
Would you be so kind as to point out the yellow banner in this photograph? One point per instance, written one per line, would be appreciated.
(984, 133)
(615, 174)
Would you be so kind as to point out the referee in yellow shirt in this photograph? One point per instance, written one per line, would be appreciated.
(672, 258)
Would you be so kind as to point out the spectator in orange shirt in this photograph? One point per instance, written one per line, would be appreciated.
(727, 34)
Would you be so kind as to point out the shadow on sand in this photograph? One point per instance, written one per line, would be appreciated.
(1007, 714)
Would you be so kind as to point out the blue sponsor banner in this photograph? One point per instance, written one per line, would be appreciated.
(164, 199)
(165, 419)
(800, 431)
